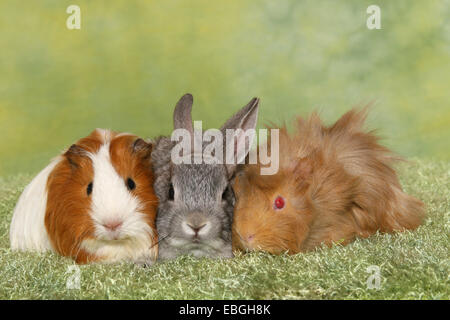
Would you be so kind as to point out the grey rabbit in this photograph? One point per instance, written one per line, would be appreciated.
(196, 201)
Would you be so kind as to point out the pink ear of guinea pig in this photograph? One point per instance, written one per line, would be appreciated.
(99, 203)
(334, 184)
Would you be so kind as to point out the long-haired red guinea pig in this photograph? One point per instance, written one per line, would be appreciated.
(93, 203)
(333, 184)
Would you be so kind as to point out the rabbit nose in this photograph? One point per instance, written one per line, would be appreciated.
(112, 225)
(196, 228)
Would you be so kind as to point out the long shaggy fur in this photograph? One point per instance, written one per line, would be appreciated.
(338, 183)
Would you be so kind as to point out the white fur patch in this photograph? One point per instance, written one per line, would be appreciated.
(137, 249)
(104, 134)
(113, 202)
(27, 231)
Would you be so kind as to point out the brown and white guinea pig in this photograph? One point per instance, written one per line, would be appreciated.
(93, 203)
(333, 184)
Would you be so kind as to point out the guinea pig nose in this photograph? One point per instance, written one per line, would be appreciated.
(250, 237)
(113, 225)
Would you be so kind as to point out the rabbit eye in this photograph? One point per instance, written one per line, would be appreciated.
(89, 188)
(171, 192)
(279, 203)
(224, 194)
(131, 185)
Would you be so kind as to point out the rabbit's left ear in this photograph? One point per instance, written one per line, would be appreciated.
(238, 133)
(182, 114)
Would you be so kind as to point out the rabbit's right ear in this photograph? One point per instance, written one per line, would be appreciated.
(182, 113)
(243, 123)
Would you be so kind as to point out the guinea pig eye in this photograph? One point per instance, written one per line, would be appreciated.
(171, 192)
(131, 185)
(89, 188)
(279, 203)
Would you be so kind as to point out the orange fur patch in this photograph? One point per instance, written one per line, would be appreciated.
(338, 184)
(67, 218)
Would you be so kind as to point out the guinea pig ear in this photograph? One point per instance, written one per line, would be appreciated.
(244, 124)
(304, 167)
(141, 147)
(73, 154)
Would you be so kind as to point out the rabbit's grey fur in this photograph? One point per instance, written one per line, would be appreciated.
(202, 195)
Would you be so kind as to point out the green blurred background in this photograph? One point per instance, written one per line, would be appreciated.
(131, 61)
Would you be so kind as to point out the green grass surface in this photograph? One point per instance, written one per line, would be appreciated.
(413, 265)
